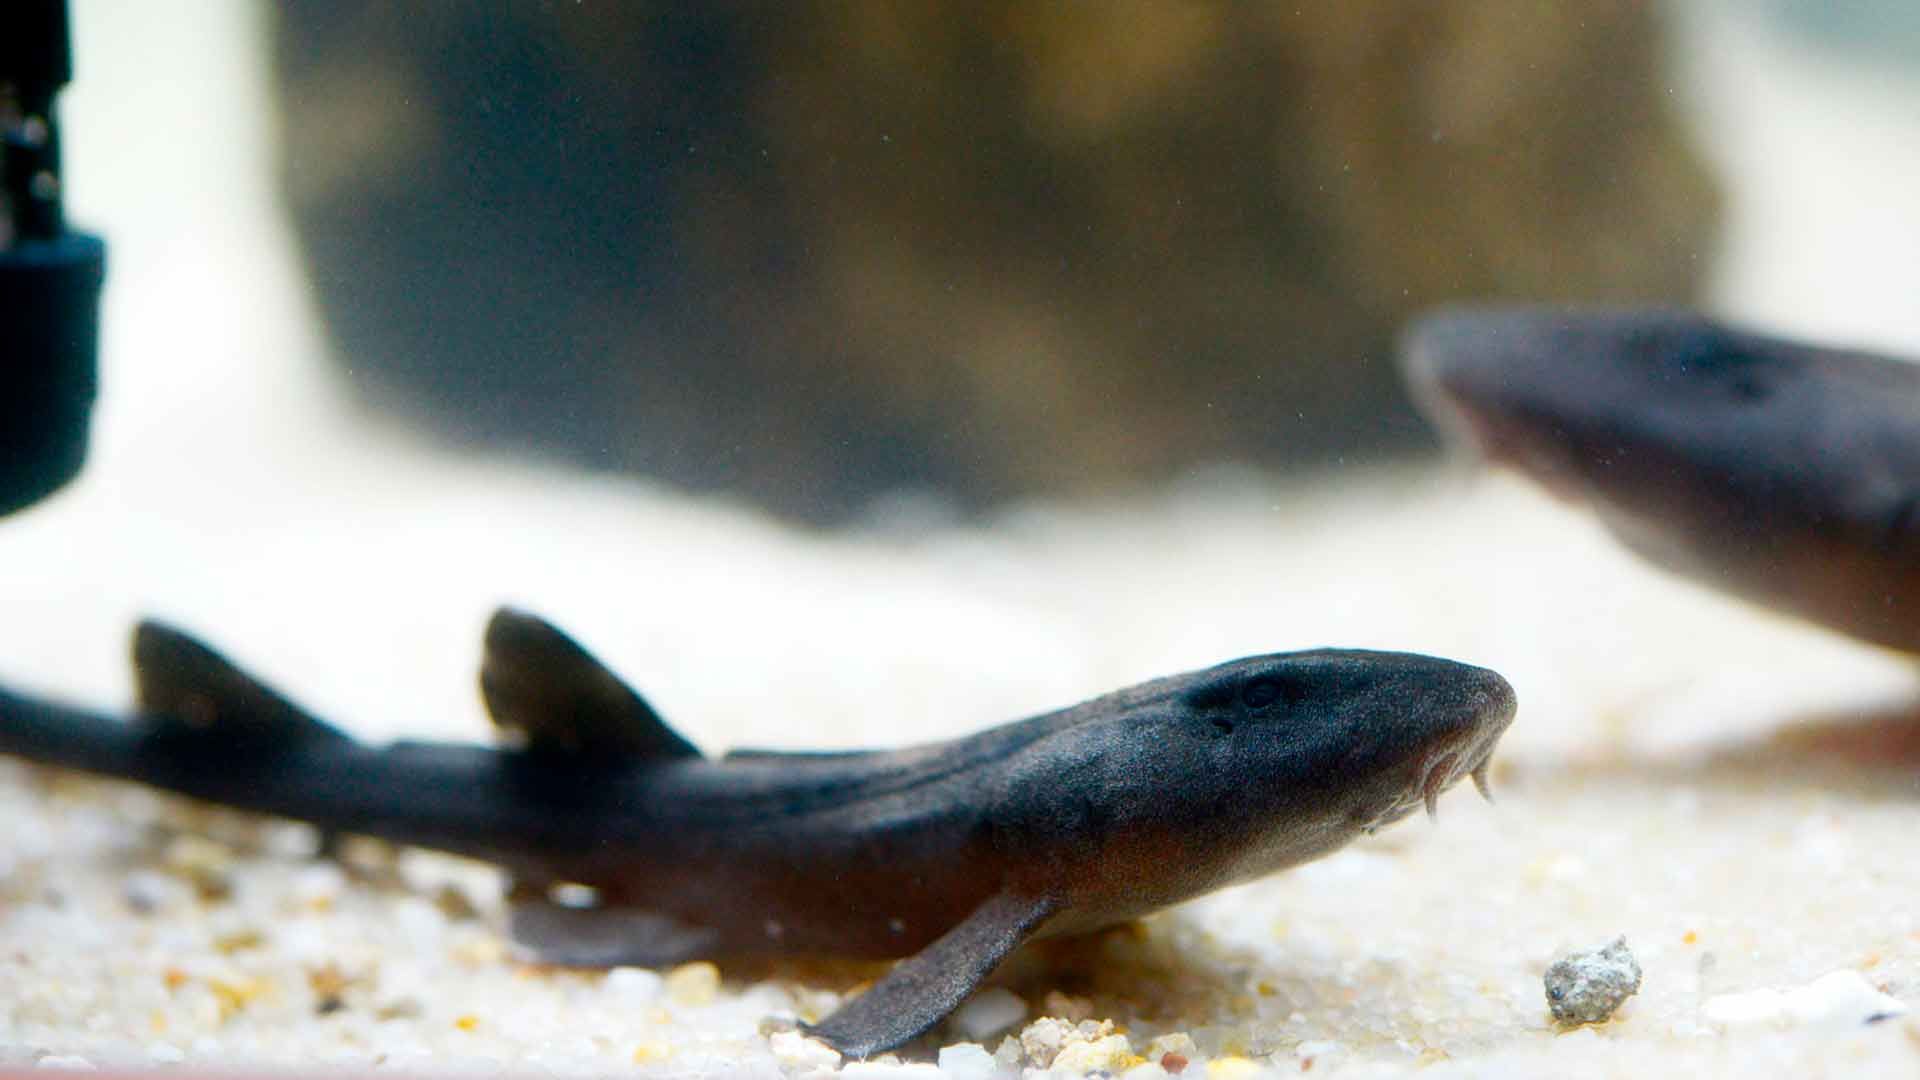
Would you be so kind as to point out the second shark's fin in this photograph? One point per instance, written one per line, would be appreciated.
(184, 684)
(541, 687)
(922, 989)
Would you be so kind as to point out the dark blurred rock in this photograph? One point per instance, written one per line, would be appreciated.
(811, 253)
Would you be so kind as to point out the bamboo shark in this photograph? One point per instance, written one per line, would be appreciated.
(949, 854)
(1785, 473)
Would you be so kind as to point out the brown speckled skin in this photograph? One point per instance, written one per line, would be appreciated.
(1782, 472)
(1057, 824)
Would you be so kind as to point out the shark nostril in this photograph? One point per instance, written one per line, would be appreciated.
(1497, 700)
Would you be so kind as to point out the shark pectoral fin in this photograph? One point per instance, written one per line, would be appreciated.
(540, 684)
(604, 936)
(922, 989)
(182, 682)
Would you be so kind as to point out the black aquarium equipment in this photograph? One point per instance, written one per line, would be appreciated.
(50, 277)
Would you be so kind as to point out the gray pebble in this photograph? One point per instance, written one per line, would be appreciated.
(147, 891)
(1586, 987)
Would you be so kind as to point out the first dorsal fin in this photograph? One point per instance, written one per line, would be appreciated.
(181, 681)
(541, 686)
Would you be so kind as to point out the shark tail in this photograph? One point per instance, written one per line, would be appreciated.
(53, 734)
(203, 727)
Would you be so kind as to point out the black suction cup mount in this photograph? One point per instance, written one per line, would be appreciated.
(50, 277)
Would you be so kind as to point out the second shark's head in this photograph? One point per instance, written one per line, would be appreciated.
(1222, 775)
(1785, 472)
(1598, 406)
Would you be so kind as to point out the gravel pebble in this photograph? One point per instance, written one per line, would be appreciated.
(1586, 988)
(634, 984)
(1108, 1054)
(967, 1061)
(797, 1052)
(988, 1013)
(1042, 1039)
(694, 984)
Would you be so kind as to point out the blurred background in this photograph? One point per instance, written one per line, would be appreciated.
(813, 254)
(816, 255)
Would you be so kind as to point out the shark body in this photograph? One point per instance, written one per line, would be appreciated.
(948, 854)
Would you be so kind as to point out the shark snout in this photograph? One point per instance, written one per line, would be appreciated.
(1495, 701)
(1493, 382)
(1482, 353)
(1465, 725)
(1458, 366)
(1458, 355)
(1489, 704)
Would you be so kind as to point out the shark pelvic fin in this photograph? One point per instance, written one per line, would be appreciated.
(185, 685)
(556, 700)
(550, 932)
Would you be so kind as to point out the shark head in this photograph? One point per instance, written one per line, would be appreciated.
(1784, 472)
(1233, 772)
(1604, 407)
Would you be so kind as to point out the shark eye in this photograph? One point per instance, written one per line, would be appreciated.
(1718, 361)
(1260, 693)
(1747, 387)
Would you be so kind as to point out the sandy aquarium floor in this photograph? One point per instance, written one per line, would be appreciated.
(1736, 795)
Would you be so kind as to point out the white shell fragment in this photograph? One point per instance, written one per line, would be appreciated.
(1836, 999)
(987, 1013)
(967, 1061)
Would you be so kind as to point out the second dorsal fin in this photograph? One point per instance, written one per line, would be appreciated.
(181, 681)
(541, 686)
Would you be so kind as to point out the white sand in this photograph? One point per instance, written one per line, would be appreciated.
(1735, 794)
(1715, 786)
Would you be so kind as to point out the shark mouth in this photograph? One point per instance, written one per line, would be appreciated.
(1439, 771)
(1513, 436)
(1444, 770)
